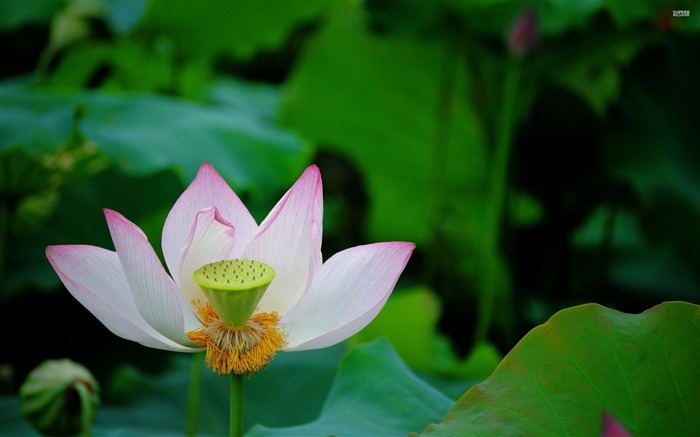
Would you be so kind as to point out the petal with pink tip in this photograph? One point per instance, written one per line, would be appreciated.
(206, 190)
(289, 240)
(612, 427)
(346, 294)
(155, 294)
(211, 239)
(95, 278)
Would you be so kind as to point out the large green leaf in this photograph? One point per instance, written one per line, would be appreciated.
(144, 134)
(374, 394)
(586, 360)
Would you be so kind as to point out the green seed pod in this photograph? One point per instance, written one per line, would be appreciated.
(60, 398)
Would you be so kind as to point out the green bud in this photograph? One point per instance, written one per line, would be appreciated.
(60, 398)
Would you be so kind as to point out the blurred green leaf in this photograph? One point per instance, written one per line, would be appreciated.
(74, 24)
(16, 13)
(554, 17)
(626, 13)
(458, 375)
(585, 360)
(597, 85)
(374, 394)
(121, 65)
(561, 16)
(416, 307)
(489, 17)
(30, 186)
(77, 218)
(524, 210)
(592, 74)
(654, 143)
(632, 260)
(239, 28)
(422, 346)
(257, 100)
(144, 134)
(124, 16)
(388, 122)
(653, 147)
(493, 18)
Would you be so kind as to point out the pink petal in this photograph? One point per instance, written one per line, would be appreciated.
(612, 427)
(95, 278)
(211, 239)
(347, 293)
(155, 294)
(206, 190)
(289, 240)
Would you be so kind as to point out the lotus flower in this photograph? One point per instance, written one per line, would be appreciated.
(309, 304)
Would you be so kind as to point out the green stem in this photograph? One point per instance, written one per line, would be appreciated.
(443, 120)
(498, 181)
(194, 395)
(236, 429)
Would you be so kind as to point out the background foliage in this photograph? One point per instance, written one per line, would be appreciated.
(535, 173)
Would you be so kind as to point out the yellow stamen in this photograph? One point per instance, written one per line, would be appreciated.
(245, 349)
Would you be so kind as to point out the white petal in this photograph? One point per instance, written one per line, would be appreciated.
(289, 240)
(95, 278)
(211, 239)
(157, 298)
(346, 294)
(206, 190)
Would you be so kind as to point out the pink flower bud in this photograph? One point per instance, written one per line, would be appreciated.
(524, 34)
(612, 427)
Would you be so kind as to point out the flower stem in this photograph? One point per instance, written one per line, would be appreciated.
(444, 118)
(497, 183)
(195, 394)
(236, 429)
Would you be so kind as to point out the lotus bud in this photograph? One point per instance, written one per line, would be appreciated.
(524, 34)
(60, 398)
